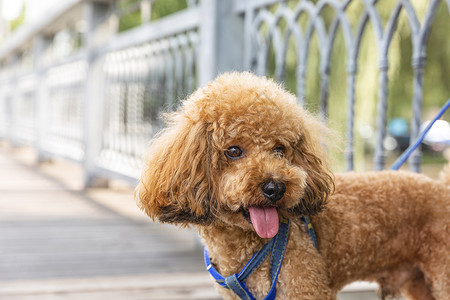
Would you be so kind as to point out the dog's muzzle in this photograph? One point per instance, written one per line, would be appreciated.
(273, 190)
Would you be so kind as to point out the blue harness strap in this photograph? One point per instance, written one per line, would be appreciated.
(236, 282)
(310, 230)
(251, 265)
(276, 247)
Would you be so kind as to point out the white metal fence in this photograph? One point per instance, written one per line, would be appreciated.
(98, 102)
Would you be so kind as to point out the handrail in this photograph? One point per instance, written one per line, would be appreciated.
(26, 32)
(179, 22)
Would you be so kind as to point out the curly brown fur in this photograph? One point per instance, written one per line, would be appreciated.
(231, 138)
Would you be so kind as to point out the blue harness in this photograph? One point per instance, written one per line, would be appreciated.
(276, 247)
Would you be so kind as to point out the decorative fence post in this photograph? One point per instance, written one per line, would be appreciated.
(41, 44)
(14, 99)
(95, 15)
(221, 38)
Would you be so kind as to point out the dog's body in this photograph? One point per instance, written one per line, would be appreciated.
(240, 153)
(398, 236)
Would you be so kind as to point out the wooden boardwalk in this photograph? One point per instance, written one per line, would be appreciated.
(60, 242)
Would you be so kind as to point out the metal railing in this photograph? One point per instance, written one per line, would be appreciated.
(98, 105)
(99, 102)
(265, 13)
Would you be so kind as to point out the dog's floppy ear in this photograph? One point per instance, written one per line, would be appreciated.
(311, 155)
(175, 184)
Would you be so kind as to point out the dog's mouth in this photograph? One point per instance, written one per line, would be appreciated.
(264, 219)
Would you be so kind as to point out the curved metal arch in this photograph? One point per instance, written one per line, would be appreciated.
(287, 15)
(352, 54)
(332, 36)
(131, 63)
(153, 51)
(418, 34)
(116, 68)
(369, 14)
(274, 38)
(182, 44)
(414, 23)
(125, 67)
(375, 20)
(143, 70)
(177, 70)
(366, 18)
(424, 33)
(292, 30)
(314, 24)
(166, 46)
(296, 32)
(188, 64)
(419, 56)
(351, 82)
(391, 26)
(149, 57)
(318, 25)
(264, 42)
(263, 17)
(192, 52)
(156, 61)
(341, 19)
(392, 23)
(328, 41)
(161, 54)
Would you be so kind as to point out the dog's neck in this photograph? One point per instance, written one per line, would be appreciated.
(230, 247)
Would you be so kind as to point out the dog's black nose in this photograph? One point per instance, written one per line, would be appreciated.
(273, 190)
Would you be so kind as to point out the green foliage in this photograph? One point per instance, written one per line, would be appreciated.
(19, 20)
(160, 8)
(131, 19)
(163, 8)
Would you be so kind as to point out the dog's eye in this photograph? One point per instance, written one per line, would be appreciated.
(234, 152)
(279, 150)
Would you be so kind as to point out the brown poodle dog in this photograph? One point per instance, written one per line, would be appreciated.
(240, 153)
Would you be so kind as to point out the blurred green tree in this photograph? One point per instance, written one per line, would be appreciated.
(132, 15)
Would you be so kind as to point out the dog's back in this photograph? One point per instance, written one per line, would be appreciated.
(390, 226)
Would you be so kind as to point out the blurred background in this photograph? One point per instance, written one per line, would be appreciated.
(83, 85)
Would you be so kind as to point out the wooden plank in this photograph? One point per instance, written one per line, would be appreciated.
(57, 241)
(164, 286)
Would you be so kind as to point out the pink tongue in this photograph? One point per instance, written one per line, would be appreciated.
(264, 220)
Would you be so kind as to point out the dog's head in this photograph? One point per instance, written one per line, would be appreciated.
(240, 151)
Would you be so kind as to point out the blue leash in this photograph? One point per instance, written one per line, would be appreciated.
(402, 159)
(276, 247)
